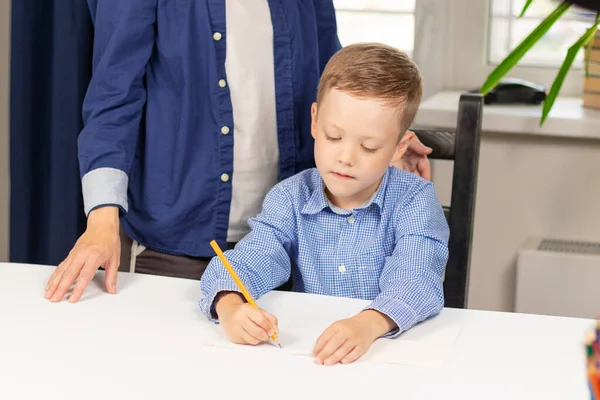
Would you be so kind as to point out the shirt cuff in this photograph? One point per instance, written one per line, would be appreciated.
(104, 186)
(207, 303)
(400, 313)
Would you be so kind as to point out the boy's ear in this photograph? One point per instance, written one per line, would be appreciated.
(313, 123)
(402, 146)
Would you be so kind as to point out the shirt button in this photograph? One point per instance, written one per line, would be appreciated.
(225, 130)
(217, 36)
(225, 177)
(342, 269)
(222, 83)
(351, 220)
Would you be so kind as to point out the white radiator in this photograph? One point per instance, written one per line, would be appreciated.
(558, 277)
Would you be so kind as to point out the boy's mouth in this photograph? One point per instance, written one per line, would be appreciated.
(342, 176)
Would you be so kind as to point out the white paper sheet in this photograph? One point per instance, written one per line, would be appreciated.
(303, 318)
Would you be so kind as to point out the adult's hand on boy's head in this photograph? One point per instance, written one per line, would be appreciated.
(415, 158)
(98, 246)
(243, 323)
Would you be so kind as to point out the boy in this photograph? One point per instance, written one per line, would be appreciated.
(355, 226)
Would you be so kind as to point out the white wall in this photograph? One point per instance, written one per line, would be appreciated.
(527, 186)
(429, 51)
(4, 99)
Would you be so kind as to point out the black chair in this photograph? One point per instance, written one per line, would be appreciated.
(462, 147)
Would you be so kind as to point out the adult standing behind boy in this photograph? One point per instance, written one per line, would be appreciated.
(196, 108)
(354, 226)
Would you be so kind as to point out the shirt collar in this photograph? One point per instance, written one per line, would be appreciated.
(318, 200)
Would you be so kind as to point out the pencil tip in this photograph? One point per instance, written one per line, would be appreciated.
(279, 346)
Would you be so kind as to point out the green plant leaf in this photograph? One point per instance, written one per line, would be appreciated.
(513, 58)
(564, 69)
(525, 8)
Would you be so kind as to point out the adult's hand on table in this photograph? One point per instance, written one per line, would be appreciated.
(99, 246)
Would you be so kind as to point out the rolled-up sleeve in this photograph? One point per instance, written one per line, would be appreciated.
(124, 33)
(411, 281)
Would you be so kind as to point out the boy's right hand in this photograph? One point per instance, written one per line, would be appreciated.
(243, 323)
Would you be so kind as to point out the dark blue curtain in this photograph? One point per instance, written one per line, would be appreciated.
(51, 58)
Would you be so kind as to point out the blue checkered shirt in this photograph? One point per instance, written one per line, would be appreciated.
(391, 250)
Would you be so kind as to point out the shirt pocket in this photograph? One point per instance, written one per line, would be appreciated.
(371, 253)
(369, 267)
(371, 259)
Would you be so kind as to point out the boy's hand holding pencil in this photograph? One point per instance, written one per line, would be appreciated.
(244, 323)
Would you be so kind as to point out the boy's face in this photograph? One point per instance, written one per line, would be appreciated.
(355, 141)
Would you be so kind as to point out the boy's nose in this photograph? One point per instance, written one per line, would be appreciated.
(346, 157)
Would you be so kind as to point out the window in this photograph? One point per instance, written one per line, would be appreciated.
(506, 31)
(387, 21)
(457, 43)
(480, 33)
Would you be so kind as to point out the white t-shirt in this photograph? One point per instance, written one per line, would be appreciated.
(250, 76)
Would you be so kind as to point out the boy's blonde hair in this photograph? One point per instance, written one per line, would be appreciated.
(378, 71)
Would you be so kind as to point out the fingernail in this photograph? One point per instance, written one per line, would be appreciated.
(271, 333)
(328, 362)
(318, 361)
(54, 298)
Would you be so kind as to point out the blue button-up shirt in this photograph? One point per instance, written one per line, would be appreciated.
(392, 250)
(154, 110)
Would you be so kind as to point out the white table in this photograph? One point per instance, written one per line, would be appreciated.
(142, 344)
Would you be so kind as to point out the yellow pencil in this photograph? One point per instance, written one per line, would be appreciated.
(238, 281)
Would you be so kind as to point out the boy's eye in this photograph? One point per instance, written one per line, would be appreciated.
(368, 150)
(331, 138)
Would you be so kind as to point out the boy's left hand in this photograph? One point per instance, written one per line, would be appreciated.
(347, 340)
